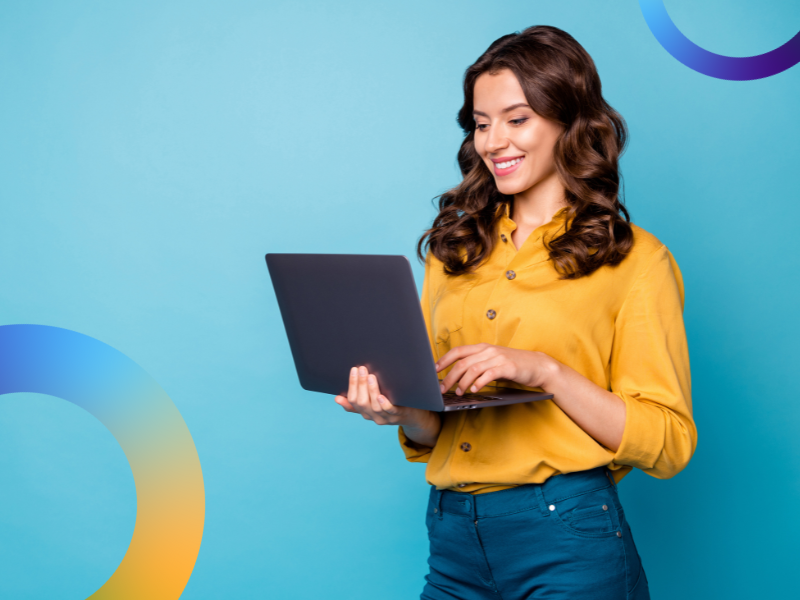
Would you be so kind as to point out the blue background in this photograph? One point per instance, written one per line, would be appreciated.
(152, 152)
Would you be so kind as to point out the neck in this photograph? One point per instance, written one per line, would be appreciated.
(537, 205)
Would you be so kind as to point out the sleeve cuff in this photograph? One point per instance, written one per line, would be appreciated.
(644, 435)
(414, 452)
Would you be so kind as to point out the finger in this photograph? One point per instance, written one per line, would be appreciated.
(477, 372)
(342, 401)
(387, 406)
(457, 353)
(374, 392)
(352, 390)
(362, 396)
(460, 368)
(489, 375)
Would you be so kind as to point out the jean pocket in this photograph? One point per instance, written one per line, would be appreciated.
(588, 514)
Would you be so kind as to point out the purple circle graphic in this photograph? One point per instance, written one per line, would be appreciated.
(732, 68)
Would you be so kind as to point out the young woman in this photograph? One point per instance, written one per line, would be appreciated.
(536, 279)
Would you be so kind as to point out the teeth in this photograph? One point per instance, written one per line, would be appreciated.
(505, 165)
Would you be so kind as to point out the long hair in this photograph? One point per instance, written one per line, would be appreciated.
(561, 84)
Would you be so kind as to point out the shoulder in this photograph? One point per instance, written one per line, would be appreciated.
(434, 273)
(434, 268)
(650, 263)
(646, 251)
(645, 243)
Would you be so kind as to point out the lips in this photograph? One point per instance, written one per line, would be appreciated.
(506, 165)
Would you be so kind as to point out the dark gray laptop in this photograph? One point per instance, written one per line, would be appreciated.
(346, 310)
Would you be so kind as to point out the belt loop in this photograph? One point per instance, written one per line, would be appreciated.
(542, 503)
(439, 494)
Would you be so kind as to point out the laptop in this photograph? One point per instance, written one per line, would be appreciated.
(347, 310)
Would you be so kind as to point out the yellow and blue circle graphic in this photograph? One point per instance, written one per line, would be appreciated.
(170, 498)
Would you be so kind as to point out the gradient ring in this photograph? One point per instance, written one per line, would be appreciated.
(170, 498)
(732, 68)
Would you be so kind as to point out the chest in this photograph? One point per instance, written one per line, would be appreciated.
(527, 306)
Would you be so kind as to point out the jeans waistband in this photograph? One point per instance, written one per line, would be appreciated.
(523, 497)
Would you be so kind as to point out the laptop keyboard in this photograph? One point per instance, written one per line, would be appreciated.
(453, 398)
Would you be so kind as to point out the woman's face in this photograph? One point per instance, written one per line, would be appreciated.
(515, 143)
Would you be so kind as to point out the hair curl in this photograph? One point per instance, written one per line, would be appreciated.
(561, 84)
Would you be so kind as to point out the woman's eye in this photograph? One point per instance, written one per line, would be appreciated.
(519, 121)
(480, 126)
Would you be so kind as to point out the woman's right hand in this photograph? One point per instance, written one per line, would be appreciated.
(364, 397)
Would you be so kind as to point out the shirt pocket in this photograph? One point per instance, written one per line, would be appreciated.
(448, 318)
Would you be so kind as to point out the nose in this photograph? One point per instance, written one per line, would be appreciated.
(496, 140)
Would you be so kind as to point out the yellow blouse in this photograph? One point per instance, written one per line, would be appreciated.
(621, 327)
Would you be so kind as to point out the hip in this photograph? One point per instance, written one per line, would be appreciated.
(567, 537)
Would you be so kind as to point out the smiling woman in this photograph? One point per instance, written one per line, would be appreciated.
(536, 279)
(543, 101)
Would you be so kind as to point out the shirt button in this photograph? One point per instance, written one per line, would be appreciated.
(491, 314)
(462, 484)
(503, 237)
(466, 446)
(510, 274)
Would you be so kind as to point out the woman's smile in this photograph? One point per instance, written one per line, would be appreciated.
(506, 165)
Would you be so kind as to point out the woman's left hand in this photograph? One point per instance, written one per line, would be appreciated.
(475, 365)
(599, 412)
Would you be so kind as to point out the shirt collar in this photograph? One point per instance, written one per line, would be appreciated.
(507, 225)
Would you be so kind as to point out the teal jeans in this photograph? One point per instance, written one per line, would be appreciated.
(564, 539)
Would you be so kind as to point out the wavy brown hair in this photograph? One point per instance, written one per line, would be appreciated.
(561, 84)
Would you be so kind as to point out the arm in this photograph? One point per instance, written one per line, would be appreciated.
(650, 373)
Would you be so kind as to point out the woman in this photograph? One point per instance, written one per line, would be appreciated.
(535, 278)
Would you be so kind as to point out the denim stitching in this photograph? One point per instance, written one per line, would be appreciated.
(580, 494)
(586, 534)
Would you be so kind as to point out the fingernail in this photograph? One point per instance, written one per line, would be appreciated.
(362, 370)
(473, 389)
(437, 366)
(441, 387)
(382, 400)
(354, 371)
(372, 379)
(458, 391)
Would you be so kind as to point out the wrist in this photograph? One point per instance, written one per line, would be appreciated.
(424, 425)
(550, 373)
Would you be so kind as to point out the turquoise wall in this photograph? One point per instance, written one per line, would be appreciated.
(152, 152)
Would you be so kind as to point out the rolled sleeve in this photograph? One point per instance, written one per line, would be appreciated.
(650, 372)
(414, 452)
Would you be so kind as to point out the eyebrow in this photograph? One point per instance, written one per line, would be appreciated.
(505, 110)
